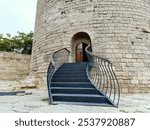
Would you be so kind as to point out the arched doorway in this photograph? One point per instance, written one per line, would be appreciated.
(79, 42)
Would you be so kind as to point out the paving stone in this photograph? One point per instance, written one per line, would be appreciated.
(133, 103)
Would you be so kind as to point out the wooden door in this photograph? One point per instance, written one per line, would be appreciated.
(79, 56)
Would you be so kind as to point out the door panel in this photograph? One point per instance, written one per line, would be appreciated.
(80, 53)
(79, 57)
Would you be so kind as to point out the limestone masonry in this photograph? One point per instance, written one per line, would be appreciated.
(13, 66)
(116, 29)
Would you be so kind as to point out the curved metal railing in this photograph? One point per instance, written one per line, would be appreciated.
(50, 73)
(56, 62)
(102, 75)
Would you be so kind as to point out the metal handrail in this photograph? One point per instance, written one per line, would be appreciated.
(50, 73)
(102, 75)
(53, 66)
(100, 72)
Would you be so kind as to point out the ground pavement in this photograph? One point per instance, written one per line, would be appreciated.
(37, 103)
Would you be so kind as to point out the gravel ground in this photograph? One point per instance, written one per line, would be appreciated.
(36, 103)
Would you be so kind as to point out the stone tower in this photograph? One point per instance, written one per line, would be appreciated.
(116, 29)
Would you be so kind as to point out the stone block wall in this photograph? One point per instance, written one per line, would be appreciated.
(119, 30)
(14, 66)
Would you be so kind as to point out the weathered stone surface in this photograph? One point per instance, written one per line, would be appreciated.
(135, 103)
(119, 30)
(14, 66)
(27, 92)
(20, 94)
(6, 86)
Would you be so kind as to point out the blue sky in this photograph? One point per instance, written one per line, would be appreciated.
(17, 15)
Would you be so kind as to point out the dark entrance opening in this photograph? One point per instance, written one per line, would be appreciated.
(81, 53)
(79, 43)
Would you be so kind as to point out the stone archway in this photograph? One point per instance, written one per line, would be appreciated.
(79, 42)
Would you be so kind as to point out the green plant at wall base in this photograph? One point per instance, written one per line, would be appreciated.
(21, 43)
